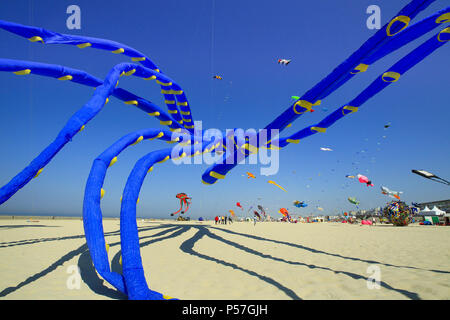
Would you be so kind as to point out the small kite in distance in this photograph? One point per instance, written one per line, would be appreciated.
(391, 193)
(326, 149)
(250, 175)
(364, 179)
(284, 61)
(274, 183)
(217, 77)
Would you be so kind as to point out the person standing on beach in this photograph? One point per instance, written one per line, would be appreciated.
(226, 218)
(216, 219)
(254, 220)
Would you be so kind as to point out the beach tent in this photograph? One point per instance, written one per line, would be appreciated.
(438, 211)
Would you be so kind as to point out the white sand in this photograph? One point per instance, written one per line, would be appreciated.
(200, 260)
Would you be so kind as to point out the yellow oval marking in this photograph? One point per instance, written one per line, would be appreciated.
(403, 19)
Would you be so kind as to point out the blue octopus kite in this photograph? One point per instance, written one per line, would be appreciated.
(179, 124)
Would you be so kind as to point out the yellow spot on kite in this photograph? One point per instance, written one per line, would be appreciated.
(138, 140)
(150, 170)
(169, 101)
(185, 113)
(182, 156)
(68, 77)
(106, 101)
(138, 59)
(184, 104)
(102, 193)
(318, 129)
(189, 127)
(167, 297)
(35, 39)
(293, 140)
(403, 19)
(84, 45)
(164, 160)
(174, 141)
(120, 50)
(446, 30)
(129, 73)
(159, 135)
(304, 104)
(216, 175)
(132, 102)
(39, 172)
(360, 68)
(107, 247)
(167, 84)
(150, 78)
(443, 18)
(166, 123)
(390, 74)
(114, 160)
(155, 114)
(22, 72)
(351, 108)
(175, 130)
(82, 128)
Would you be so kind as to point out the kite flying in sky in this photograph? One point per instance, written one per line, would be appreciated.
(300, 204)
(391, 193)
(250, 175)
(284, 61)
(184, 200)
(430, 176)
(353, 200)
(364, 179)
(274, 183)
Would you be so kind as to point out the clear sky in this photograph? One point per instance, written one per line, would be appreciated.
(240, 40)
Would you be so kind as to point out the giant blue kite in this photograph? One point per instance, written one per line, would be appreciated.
(180, 130)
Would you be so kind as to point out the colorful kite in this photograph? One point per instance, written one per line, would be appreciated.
(184, 200)
(262, 210)
(300, 204)
(364, 179)
(250, 175)
(391, 193)
(239, 205)
(274, 183)
(353, 200)
(217, 77)
(430, 176)
(284, 61)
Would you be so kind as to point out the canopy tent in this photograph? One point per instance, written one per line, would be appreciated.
(438, 211)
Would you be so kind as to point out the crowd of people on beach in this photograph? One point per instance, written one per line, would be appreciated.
(223, 220)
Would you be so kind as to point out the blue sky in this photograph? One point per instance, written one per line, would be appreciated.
(240, 40)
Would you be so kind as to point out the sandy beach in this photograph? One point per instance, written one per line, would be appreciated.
(203, 261)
